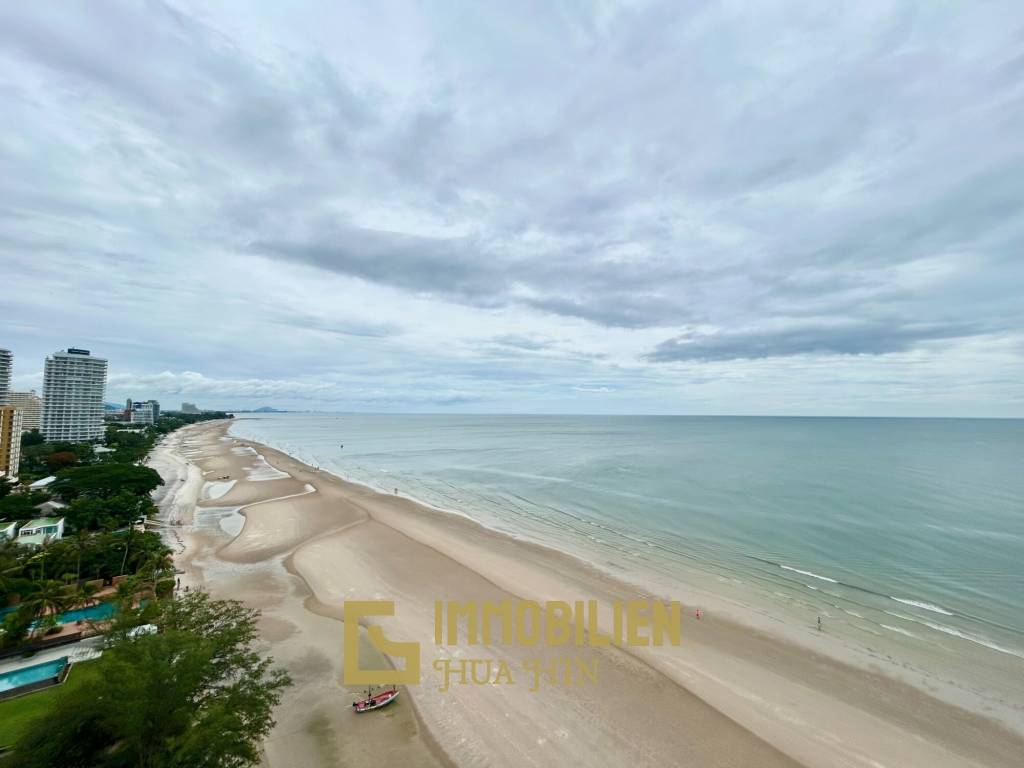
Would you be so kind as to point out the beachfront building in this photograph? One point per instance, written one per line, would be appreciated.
(73, 386)
(31, 407)
(8, 529)
(41, 531)
(144, 412)
(5, 374)
(10, 441)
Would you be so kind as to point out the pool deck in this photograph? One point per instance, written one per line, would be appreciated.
(90, 648)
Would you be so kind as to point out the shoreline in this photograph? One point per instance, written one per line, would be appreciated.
(960, 667)
(819, 711)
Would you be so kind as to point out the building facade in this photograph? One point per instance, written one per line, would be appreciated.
(31, 407)
(5, 374)
(41, 531)
(73, 385)
(10, 441)
(144, 411)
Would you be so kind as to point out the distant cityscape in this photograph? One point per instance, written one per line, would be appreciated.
(71, 408)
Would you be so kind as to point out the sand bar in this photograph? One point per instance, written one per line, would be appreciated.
(728, 696)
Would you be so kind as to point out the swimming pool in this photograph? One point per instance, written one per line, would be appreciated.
(34, 674)
(97, 612)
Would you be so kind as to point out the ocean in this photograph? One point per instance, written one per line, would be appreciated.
(905, 535)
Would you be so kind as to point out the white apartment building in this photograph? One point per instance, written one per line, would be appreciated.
(144, 412)
(73, 385)
(31, 407)
(5, 374)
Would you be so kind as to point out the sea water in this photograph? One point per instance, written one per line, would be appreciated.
(894, 530)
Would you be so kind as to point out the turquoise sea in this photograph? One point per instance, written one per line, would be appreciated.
(901, 530)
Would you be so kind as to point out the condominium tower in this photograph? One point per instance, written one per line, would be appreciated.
(31, 406)
(144, 411)
(73, 385)
(10, 441)
(5, 375)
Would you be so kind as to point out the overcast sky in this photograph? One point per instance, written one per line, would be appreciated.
(751, 208)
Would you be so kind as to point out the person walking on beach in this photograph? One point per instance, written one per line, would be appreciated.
(819, 624)
(698, 614)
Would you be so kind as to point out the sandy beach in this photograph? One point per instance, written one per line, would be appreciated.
(257, 525)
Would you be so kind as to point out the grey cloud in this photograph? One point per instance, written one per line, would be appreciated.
(474, 271)
(440, 266)
(522, 342)
(845, 184)
(342, 327)
(854, 338)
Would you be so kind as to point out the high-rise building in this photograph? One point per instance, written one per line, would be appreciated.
(5, 374)
(144, 411)
(10, 440)
(73, 385)
(31, 407)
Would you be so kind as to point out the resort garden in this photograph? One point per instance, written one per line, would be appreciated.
(189, 690)
(73, 538)
(92, 546)
(176, 681)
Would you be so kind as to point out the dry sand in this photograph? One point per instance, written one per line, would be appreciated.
(728, 696)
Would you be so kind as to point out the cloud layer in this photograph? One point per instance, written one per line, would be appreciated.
(645, 206)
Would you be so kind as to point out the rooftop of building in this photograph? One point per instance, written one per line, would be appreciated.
(42, 522)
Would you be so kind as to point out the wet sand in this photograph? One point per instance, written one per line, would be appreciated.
(728, 696)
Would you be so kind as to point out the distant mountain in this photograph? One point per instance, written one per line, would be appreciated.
(267, 409)
(113, 407)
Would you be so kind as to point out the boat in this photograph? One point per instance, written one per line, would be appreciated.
(375, 700)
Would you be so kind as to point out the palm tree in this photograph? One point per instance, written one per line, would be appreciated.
(125, 591)
(49, 597)
(127, 546)
(40, 558)
(9, 569)
(82, 541)
(86, 595)
(154, 566)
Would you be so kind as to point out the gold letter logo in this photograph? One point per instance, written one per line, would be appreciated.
(353, 675)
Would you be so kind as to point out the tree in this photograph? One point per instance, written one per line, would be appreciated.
(86, 513)
(155, 565)
(49, 596)
(106, 480)
(15, 627)
(11, 579)
(85, 595)
(32, 437)
(60, 459)
(81, 542)
(18, 506)
(195, 694)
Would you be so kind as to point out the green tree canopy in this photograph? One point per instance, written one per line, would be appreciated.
(33, 437)
(105, 480)
(196, 694)
(20, 506)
